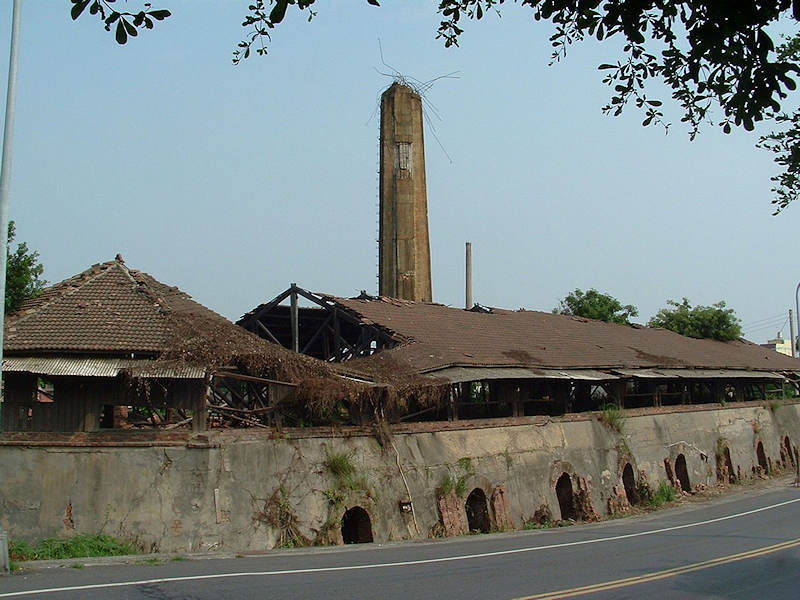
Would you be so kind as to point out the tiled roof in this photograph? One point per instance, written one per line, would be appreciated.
(107, 309)
(436, 336)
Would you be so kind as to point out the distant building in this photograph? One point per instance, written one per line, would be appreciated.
(779, 345)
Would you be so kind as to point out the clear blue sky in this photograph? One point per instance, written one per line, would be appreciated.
(232, 182)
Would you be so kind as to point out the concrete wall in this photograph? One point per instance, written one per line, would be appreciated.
(186, 498)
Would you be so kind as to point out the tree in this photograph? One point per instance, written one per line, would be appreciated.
(708, 53)
(23, 273)
(596, 305)
(716, 321)
(784, 141)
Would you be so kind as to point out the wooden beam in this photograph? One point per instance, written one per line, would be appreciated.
(267, 331)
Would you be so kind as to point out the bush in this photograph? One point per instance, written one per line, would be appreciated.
(665, 493)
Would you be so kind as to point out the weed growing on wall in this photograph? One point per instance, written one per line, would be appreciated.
(279, 514)
(612, 417)
(457, 484)
(340, 465)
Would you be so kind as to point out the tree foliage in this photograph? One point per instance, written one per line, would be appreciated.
(596, 305)
(125, 23)
(708, 53)
(716, 321)
(23, 273)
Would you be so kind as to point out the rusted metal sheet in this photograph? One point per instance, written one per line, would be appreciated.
(462, 374)
(96, 367)
(697, 374)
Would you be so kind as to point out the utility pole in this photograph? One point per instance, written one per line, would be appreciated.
(797, 313)
(791, 334)
(5, 179)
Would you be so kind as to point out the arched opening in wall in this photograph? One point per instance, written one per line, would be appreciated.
(788, 445)
(629, 482)
(356, 526)
(682, 473)
(729, 465)
(478, 511)
(762, 458)
(566, 497)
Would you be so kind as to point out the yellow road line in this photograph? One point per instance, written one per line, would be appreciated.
(619, 583)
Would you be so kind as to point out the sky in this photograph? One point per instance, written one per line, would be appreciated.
(231, 182)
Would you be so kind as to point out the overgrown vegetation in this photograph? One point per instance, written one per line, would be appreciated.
(280, 515)
(79, 546)
(340, 465)
(450, 483)
(457, 482)
(612, 417)
(664, 493)
(347, 480)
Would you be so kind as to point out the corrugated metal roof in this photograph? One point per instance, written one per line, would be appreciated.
(461, 374)
(96, 367)
(697, 374)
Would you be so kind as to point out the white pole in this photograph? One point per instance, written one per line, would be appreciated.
(5, 179)
(5, 167)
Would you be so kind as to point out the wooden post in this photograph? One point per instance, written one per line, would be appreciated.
(294, 318)
(200, 408)
(657, 393)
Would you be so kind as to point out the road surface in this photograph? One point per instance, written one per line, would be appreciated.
(742, 546)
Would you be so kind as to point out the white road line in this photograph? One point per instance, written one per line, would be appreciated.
(405, 563)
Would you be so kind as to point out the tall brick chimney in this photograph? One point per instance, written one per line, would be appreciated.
(404, 255)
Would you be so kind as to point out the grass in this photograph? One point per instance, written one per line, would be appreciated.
(665, 493)
(340, 465)
(612, 417)
(79, 546)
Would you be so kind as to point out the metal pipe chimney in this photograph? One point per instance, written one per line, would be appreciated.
(468, 277)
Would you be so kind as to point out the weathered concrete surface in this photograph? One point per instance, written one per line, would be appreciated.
(182, 498)
(404, 256)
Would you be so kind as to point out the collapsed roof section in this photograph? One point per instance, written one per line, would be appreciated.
(468, 345)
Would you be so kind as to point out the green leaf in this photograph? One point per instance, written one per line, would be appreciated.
(130, 28)
(78, 7)
(121, 35)
(278, 11)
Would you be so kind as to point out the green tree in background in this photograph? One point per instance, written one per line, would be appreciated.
(596, 305)
(23, 273)
(716, 321)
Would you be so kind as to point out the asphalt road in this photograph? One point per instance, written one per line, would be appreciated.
(746, 545)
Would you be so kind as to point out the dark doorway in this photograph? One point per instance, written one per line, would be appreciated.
(566, 498)
(729, 465)
(762, 458)
(629, 482)
(356, 526)
(478, 511)
(682, 473)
